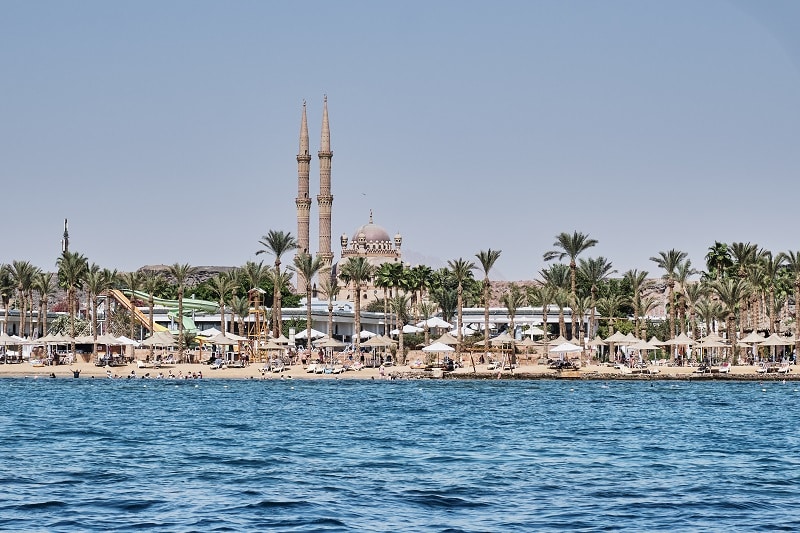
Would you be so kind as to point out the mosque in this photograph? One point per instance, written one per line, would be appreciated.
(370, 240)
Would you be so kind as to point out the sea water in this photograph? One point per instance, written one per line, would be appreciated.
(349, 455)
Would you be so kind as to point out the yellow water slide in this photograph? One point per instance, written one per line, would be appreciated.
(143, 319)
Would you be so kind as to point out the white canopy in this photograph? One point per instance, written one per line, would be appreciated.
(366, 334)
(209, 332)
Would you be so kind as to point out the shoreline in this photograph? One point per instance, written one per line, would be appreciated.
(254, 372)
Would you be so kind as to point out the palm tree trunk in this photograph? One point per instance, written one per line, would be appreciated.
(308, 316)
(358, 319)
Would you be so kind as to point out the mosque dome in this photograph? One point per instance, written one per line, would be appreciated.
(372, 233)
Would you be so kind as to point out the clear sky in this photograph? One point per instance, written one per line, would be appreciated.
(167, 131)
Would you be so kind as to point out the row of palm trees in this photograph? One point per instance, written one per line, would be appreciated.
(743, 286)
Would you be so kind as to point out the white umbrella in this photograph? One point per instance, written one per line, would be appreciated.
(209, 332)
(438, 347)
(127, 342)
(366, 334)
(314, 334)
(435, 322)
(408, 328)
(566, 347)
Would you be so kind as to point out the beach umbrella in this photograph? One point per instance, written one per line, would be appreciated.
(565, 348)
(282, 339)
(558, 340)
(408, 328)
(533, 330)
(378, 341)
(209, 332)
(617, 338)
(364, 334)
(438, 347)
(503, 338)
(315, 334)
(435, 322)
(753, 337)
(446, 338)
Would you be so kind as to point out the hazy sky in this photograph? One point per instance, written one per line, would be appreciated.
(167, 131)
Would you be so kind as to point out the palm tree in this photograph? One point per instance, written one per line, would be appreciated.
(610, 306)
(792, 261)
(151, 282)
(43, 284)
(541, 295)
(221, 285)
(72, 270)
(133, 281)
(594, 271)
(240, 307)
(330, 287)
(682, 274)
(638, 282)
(384, 280)
(422, 277)
(358, 271)
(7, 289)
(283, 281)
(461, 270)
(307, 267)
(512, 299)
(427, 309)
(669, 262)
(770, 269)
(557, 278)
(562, 299)
(730, 291)
(277, 243)
(23, 272)
(182, 273)
(399, 305)
(694, 292)
(487, 259)
(718, 260)
(97, 281)
(570, 246)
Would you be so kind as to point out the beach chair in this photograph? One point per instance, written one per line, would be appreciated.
(785, 368)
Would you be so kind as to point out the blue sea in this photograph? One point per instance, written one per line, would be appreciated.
(423, 456)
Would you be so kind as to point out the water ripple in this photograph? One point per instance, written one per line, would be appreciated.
(436, 456)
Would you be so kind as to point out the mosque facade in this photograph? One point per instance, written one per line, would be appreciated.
(369, 240)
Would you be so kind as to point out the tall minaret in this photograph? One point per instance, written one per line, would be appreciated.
(303, 201)
(65, 240)
(325, 199)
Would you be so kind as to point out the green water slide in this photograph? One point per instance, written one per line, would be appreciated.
(189, 305)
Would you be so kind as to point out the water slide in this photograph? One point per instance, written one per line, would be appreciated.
(189, 304)
(127, 304)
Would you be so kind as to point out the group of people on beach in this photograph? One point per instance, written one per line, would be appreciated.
(160, 375)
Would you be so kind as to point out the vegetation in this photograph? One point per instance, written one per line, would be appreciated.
(742, 288)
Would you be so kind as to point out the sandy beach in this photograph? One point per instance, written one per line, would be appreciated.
(256, 371)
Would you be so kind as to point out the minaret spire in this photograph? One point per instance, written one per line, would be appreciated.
(325, 199)
(303, 200)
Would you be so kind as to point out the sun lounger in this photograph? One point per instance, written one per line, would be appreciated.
(725, 368)
(784, 368)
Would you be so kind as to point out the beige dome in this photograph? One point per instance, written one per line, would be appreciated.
(372, 232)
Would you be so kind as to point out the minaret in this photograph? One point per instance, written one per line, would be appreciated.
(325, 199)
(65, 240)
(303, 201)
